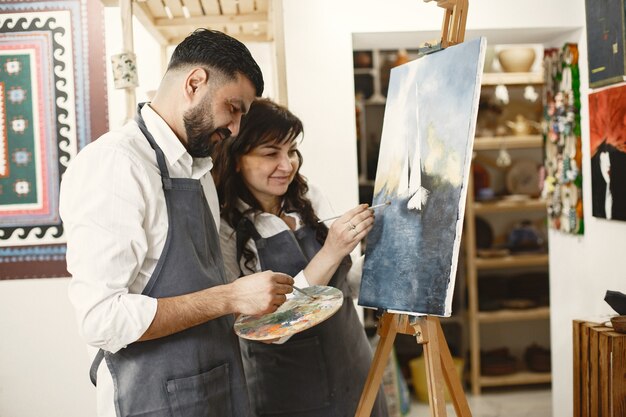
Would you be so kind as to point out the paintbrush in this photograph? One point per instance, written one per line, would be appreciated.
(369, 208)
(301, 291)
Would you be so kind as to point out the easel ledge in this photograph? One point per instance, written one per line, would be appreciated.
(426, 329)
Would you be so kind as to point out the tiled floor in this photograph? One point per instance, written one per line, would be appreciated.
(514, 403)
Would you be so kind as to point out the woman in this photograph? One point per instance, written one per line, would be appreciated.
(270, 222)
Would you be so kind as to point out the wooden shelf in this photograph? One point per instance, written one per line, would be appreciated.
(539, 313)
(513, 261)
(369, 71)
(518, 378)
(486, 143)
(512, 78)
(505, 205)
(497, 210)
(375, 101)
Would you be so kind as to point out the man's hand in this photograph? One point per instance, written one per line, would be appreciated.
(260, 293)
(254, 294)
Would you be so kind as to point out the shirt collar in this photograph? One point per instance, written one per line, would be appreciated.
(171, 146)
(242, 206)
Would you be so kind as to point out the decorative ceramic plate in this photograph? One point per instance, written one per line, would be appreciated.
(295, 315)
(523, 178)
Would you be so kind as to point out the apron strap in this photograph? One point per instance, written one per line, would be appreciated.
(93, 371)
(165, 174)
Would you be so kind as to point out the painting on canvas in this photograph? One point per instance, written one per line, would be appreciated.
(423, 171)
(607, 125)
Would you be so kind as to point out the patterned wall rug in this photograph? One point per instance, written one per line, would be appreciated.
(52, 103)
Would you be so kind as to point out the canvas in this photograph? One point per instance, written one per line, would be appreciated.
(52, 103)
(423, 171)
(607, 125)
(606, 41)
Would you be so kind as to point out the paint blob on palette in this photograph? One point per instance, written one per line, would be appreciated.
(295, 315)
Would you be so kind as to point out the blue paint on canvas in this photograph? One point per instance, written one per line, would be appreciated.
(423, 170)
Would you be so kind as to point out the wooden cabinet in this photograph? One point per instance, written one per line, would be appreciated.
(599, 370)
(498, 207)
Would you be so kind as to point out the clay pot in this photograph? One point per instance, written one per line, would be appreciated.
(401, 58)
(516, 59)
(619, 323)
(362, 59)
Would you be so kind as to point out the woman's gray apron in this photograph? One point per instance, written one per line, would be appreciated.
(320, 372)
(196, 372)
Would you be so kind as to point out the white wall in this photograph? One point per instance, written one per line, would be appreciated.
(319, 73)
(582, 269)
(43, 362)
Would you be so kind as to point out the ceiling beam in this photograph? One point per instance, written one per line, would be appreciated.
(242, 37)
(226, 19)
(143, 14)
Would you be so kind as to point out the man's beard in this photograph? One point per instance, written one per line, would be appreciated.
(200, 128)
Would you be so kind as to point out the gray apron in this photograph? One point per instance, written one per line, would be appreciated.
(196, 372)
(321, 371)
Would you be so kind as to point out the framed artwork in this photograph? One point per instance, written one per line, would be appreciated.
(423, 171)
(606, 41)
(607, 124)
(52, 103)
(562, 170)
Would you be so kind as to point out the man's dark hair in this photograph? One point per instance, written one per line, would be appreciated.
(217, 51)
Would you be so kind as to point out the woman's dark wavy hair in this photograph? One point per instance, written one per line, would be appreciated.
(217, 51)
(265, 122)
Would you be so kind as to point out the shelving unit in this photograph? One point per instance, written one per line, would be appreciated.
(477, 267)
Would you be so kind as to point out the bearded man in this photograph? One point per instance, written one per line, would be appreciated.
(140, 212)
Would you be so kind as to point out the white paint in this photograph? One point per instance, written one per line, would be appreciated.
(43, 362)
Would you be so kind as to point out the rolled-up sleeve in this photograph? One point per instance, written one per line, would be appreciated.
(103, 209)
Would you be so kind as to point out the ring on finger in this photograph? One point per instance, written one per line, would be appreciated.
(352, 227)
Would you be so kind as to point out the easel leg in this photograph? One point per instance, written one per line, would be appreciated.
(429, 339)
(439, 366)
(387, 330)
(459, 400)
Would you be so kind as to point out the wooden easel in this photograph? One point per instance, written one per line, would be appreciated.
(439, 365)
(426, 329)
(454, 19)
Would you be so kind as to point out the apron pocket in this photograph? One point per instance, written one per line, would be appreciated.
(203, 395)
(289, 378)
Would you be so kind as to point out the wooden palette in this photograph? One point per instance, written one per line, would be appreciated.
(295, 315)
